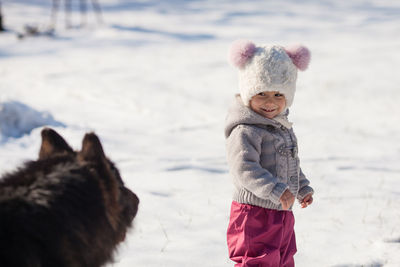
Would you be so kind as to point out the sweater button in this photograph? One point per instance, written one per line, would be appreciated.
(293, 179)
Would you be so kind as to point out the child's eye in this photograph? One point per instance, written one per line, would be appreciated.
(278, 95)
(261, 94)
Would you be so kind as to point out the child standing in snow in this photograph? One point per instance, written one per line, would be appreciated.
(262, 156)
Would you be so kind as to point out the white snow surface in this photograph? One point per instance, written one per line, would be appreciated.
(17, 119)
(154, 83)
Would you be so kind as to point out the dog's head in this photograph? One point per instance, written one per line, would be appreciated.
(121, 204)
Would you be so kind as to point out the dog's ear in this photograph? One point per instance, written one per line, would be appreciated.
(91, 148)
(52, 143)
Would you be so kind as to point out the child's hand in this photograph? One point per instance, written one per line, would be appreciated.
(287, 199)
(307, 201)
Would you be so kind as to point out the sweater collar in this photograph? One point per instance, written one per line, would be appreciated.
(283, 119)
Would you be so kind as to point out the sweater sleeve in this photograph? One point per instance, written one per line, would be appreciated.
(304, 188)
(243, 153)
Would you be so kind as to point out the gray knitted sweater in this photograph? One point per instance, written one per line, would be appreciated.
(262, 158)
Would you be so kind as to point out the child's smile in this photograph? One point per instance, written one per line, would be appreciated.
(268, 104)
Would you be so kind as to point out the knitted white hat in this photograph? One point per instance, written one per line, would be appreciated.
(268, 68)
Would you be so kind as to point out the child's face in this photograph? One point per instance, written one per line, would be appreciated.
(268, 104)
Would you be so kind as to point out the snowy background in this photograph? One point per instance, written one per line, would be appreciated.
(154, 83)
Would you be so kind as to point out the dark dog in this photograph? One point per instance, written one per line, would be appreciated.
(65, 209)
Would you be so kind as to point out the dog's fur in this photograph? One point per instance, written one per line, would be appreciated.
(67, 208)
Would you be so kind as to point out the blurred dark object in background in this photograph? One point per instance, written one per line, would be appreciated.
(1, 20)
(68, 7)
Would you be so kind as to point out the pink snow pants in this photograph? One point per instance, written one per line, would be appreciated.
(259, 237)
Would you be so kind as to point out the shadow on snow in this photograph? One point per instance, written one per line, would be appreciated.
(175, 35)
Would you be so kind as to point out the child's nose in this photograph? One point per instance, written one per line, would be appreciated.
(269, 100)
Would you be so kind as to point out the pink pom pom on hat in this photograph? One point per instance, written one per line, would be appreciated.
(300, 56)
(268, 68)
(241, 52)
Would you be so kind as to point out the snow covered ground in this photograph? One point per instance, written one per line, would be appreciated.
(154, 83)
